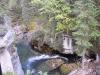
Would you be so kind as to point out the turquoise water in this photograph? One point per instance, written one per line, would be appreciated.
(25, 52)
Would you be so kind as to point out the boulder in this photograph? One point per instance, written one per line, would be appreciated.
(88, 68)
(50, 65)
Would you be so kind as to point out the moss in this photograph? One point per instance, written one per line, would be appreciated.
(31, 26)
(9, 73)
(65, 70)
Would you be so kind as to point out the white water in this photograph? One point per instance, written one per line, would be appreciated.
(42, 57)
(34, 62)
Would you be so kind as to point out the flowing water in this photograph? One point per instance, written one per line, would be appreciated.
(32, 60)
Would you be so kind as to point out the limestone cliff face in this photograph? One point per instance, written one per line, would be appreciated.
(9, 58)
(5, 58)
(15, 60)
(6, 63)
(10, 62)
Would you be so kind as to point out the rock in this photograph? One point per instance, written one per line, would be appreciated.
(98, 68)
(66, 68)
(15, 60)
(18, 31)
(89, 68)
(9, 58)
(6, 63)
(54, 63)
(51, 65)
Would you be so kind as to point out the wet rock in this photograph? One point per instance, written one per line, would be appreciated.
(51, 65)
(63, 69)
(57, 67)
(67, 68)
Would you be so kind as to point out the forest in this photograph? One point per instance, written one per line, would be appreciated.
(49, 37)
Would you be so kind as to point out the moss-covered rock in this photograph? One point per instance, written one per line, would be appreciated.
(9, 73)
(66, 68)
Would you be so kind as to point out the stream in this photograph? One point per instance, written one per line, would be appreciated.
(32, 60)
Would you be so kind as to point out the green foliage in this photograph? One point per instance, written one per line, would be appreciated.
(12, 3)
(86, 28)
(58, 11)
(84, 25)
(7, 5)
(3, 9)
(57, 16)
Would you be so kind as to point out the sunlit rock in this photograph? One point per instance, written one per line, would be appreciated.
(88, 68)
(9, 58)
(6, 63)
